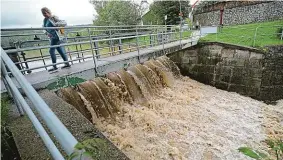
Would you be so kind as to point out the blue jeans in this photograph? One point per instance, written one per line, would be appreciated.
(61, 51)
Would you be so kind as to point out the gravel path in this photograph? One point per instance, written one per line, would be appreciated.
(193, 121)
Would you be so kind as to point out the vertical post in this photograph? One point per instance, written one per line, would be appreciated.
(180, 31)
(18, 46)
(217, 33)
(81, 48)
(96, 47)
(180, 14)
(10, 92)
(163, 42)
(137, 43)
(42, 56)
(111, 43)
(255, 36)
(120, 46)
(150, 40)
(66, 37)
(93, 56)
(77, 51)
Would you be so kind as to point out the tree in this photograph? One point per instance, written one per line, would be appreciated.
(116, 13)
(158, 9)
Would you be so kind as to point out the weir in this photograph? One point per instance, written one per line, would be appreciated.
(103, 97)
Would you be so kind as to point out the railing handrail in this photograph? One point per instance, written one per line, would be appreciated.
(74, 43)
(73, 27)
(57, 128)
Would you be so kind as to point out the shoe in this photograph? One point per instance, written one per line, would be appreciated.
(52, 69)
(66, 66)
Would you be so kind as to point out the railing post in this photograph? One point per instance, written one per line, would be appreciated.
(42, 57)
(150, 40)
(78, 54)
(255, 36)
(10, 92)
(96, 47)
(111, 43)
(137, 43)
(66, 37)
(93, 56)
(163, 41)
(18, 46)
(180, 31)
(120, 46)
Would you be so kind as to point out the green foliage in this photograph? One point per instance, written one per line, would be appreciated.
(95, 148)
(5, 101)
(245, 34)
(275, 146)
(63, 82)
(252, 153)
(118, 13)
(158, 9)
(190, 23)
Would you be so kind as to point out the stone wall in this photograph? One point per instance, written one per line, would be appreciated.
(244, 70)
(244, 14)
(272, 71)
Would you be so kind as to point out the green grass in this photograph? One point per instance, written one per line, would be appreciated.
(5, 103)
(245, 34)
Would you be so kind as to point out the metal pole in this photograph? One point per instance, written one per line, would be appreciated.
(137, 43)
(39, 128)
(43, 60)
(180, 9)
(78, 52)
(111, 47)
(255, 36)
(163, 42)
(64, 137)
(94, 57)
(10, 92)
(68, 49)
(120, 46)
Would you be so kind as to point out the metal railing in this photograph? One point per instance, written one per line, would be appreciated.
(57, 128)
(253, 36)
(84, 43)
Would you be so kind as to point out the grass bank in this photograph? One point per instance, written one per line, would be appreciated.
(254, 35)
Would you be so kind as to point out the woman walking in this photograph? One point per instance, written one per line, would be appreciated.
(53, 34)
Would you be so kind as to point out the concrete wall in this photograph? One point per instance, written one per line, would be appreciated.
(243, 14)
(244, 70)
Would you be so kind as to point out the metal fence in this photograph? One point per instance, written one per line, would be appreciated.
(84, 43)
(254, 36)
(57, 128)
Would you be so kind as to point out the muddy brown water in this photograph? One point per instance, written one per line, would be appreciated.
(150, 111)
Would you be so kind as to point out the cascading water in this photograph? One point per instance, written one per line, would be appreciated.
(151, 112)
(104, 96)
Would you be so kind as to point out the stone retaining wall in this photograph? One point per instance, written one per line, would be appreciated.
(258, 12)
(248, 71)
